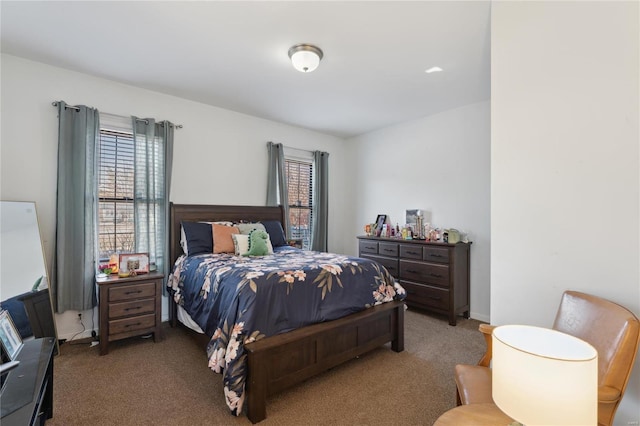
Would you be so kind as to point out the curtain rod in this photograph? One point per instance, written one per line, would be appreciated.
(55, 104)
(297, 149)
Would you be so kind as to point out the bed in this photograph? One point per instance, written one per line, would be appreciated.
(267, 365)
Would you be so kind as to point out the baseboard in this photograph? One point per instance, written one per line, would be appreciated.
(480, 317)
(76, 336)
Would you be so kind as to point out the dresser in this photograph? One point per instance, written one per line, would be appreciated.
(435, 275)
(130, 307)
(27, 394)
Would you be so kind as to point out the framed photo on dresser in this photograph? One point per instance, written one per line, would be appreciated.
(380, 221)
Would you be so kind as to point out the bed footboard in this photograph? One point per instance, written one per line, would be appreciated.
(280, 361)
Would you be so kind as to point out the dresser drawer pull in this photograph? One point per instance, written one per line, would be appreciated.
(134, 308)
(388, 249)
(435, 297)
(436, 275)
(412, 252)
(412, 271)
(133, 325)
(133, 292)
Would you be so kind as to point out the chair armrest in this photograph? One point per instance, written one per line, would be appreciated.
(486, 330)
(608, 394)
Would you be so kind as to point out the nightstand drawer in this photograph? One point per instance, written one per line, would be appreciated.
(132, 324)
(136, 307)
(134, 291)
(424, 272)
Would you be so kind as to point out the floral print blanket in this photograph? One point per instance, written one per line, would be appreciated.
(238, 300)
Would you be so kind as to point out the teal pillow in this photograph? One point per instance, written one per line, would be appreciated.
(258, 243)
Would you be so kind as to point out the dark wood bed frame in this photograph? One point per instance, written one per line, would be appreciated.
(279, 362)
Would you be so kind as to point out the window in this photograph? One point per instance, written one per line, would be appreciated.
(116, 231)
(299, 175)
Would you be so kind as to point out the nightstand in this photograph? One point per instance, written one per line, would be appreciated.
(130, 307)
(295, 242)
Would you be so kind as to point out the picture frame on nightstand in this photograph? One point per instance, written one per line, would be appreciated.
(134, 262)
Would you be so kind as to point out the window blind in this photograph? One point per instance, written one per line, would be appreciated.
(116, 230)
(300, 194)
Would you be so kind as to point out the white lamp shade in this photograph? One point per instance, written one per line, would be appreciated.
(305, 60)
(544, 377)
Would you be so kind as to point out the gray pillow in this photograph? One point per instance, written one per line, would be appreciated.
(246, 228)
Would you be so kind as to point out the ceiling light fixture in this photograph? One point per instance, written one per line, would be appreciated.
(305, 57)
(433, 69)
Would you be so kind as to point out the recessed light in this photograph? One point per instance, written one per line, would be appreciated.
(433, 69)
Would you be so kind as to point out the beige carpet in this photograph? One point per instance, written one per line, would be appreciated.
(168, 383)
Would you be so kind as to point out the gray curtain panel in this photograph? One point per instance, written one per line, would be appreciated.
(153, 145)
(277, 182)
(73, 278)
(319, 227)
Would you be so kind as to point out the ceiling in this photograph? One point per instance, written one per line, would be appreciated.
(233, 54)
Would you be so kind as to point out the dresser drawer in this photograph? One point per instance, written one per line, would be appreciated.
(135, 307)
(370, 247)
(388, 249)
(132, 324)
(424, 272)
(410, 251)
(390, 264)
(134, 291)
(425, 296)
(435, 254)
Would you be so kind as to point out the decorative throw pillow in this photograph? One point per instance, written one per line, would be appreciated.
(258, 243)
(240, 244)
(276, 234)
(222, 241)
(197, 238)
(246, 228)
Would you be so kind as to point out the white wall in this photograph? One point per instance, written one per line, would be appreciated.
(439, 164)
(565, 161)
(220, 157)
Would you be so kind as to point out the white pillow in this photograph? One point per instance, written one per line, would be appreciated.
(241, 244)
(183, 241)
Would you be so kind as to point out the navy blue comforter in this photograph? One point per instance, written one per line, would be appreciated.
(238, 300)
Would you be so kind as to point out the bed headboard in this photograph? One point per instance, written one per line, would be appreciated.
(212, 213)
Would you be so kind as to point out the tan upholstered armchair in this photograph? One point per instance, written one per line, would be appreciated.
(611, 329)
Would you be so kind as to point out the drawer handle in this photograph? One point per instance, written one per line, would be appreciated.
(436, 255)
(412, 252)
(436, 275)
(132, 325)
(133, 292)
(411, 271)
(434, 297)
(131, 309)
(388, 250)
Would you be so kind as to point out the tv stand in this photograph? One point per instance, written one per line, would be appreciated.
(27, 394)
